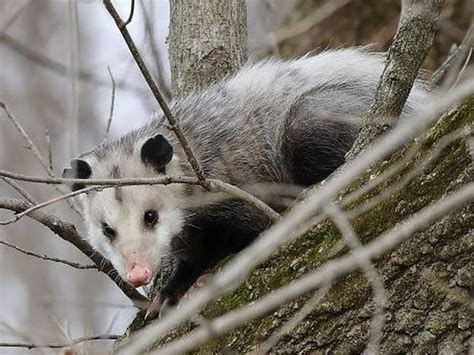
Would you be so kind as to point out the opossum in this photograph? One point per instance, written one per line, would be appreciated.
(275, 122)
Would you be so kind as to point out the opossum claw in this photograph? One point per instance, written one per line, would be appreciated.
(160, 305)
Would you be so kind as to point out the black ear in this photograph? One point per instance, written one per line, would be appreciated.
(157, 152)
(80, 169)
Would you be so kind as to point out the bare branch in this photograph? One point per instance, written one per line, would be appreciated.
(153, 43)
(175, 127)
(384, 176)
(29, 143)
(61, 345)
(112, 105)
(35, 150)
(458, 58)
(461, 72)
(26, 212)
(48, 258)
(434, 153)
(213, 186)
(18, 188)
(410, 46)
(10, 11)
(50, 150)
(69, 233)
(164, 180)
(73, 118)
(380, 298)
(130, 16)
(447, 65)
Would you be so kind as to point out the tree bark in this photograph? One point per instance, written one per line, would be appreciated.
(428, 278)
(207, 41)
(410, 46)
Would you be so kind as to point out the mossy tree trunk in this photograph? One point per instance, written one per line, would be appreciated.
(428, 278)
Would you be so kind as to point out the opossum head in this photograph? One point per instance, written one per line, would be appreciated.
(132, 226)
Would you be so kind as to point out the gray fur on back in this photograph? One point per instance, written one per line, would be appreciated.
(238, 127)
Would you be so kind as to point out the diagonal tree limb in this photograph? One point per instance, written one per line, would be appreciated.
(48, 258)
(174, 123)
(68, 232)
(73, 342)
(213, 184)
(410, 46)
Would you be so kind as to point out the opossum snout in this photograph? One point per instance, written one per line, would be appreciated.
(139, 276)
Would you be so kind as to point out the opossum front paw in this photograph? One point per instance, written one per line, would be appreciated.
(161, 304)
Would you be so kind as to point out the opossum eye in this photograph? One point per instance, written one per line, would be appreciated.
(108, 231)
(150, 218)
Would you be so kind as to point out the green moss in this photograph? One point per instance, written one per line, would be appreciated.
(313, 249)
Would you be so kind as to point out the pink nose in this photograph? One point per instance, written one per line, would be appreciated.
(139, 276)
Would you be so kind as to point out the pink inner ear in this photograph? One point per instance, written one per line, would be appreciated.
(139, 276)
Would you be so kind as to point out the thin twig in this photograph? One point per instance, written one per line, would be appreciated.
(385, 175)
(68, 232)
(112, 104)
(466, 63)
(50, 150)
(61, 345)
(18, 188)
(26, 212)
(130, 16)
(35, 150)
(48, 258)
(163, 180)
(29, 143)
(175, 127)
(439, 74)
(213, 185)
(21, 336)
(153, 43)
(379, 294)
(14, 9)
(435, 152)
(73, 118)
(458, 59)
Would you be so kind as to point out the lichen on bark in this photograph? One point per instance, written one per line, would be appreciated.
(428, 278)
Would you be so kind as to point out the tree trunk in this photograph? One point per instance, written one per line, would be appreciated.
(428, 278)
(207, 41)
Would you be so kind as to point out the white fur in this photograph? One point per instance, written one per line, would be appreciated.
(233, 128)
(134, 244)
